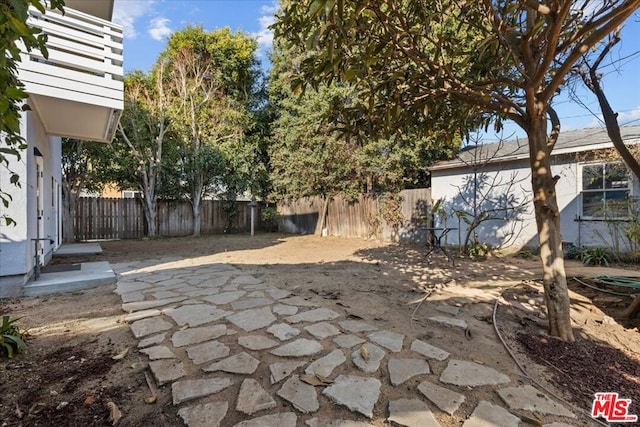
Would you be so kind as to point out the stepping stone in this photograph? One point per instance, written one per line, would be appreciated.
(298, 348)
(348, 340)
(199, 293)
(224, 297)
(253, 398)
(207, 352)
(301, 395)
(252, 319)
(197, 335)
(164, 294)
(146, 327)
(246, 280)
(131, 287)
(205, 415)
(428, 350)
(130, 307)
(449, 309)
(322, 330)
(359, 394)
(285, 310)
(132, 297)
(463, 373)
(376, 354)
(196, 315)
(529, 398)
(282, 331)
(389, 340)
(317, 315)
(317, 422)
(356, 326)
(185, 390)
(280, 371)
(487, 415)
(276, 293)
(300, 302)
(256, 287)
(250, 303)
(445, 399)
(400, 370)
(325, 365)
(157, 278)
(144, 314)
(167, 370)
(241, 363)
(257, 342)
(285, 419)
(448, 321)
(158, 352)
(153, 340)
(256, 294)
(411, 413)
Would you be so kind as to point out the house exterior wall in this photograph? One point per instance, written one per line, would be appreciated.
(17, 249)
(514, 231)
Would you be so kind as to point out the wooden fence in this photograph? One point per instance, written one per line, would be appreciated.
(103, 218)
(363, 217)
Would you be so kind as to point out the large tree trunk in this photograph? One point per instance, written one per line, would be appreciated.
(196, 216)
(150, 214)
(69, 206)
(548, 221)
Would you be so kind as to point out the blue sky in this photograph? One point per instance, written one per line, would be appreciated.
(147, 23)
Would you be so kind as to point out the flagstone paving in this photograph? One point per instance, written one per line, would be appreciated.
(239, 352)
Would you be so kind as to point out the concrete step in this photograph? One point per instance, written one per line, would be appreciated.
(90, 275)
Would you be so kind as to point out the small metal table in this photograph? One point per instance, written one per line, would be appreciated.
(435, 244)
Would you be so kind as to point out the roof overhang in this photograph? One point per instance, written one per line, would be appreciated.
(99, 8)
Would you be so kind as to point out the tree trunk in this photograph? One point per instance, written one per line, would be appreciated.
(323, 216)
(633, 309)
(196, 216)
(547, 214)
(150, 215)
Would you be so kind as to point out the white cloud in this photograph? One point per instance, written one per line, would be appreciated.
(264, 36)
(159, 28)
(126, 12)
(624, 117)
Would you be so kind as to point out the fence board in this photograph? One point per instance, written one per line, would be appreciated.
(358, 218)
(105, 218)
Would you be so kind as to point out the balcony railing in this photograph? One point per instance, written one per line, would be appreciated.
(84, 67)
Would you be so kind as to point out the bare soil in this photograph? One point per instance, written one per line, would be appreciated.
(68, 376)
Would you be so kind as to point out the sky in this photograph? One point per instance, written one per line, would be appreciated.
(148, 23)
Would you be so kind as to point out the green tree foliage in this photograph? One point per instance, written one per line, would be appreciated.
(84, 164)
(312, 155)
(142, 134)
(419, 62)
(15, 32)
(210, 79)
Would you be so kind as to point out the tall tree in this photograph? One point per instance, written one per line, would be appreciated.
(143, 132)
(504, 57)
(83, 163)
(15, 32)
(210, 76)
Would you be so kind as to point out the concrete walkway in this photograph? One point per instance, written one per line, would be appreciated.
(234, 348)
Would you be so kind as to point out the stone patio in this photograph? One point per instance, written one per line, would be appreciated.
(227, 343)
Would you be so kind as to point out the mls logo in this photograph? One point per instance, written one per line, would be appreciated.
(612, 408)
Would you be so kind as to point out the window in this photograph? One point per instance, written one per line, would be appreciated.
(605, 190)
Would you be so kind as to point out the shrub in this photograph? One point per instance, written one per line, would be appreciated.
(12, 338)
(595, 256)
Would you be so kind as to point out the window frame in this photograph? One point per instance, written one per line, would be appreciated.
(604, 190)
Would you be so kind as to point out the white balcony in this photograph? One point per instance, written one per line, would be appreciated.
(78, 90)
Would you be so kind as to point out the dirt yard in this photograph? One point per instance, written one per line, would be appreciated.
(69, 375)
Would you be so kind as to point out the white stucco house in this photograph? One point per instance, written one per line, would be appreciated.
(77, 92)
(594, 191)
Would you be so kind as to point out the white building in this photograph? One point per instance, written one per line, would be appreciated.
(77, 92)
(593, 191)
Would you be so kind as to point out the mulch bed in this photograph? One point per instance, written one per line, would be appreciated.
(585, 367)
